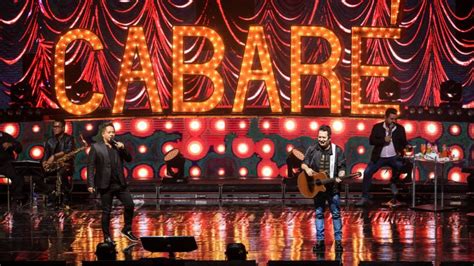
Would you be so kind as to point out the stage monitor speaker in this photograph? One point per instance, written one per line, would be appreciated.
(170, 244)
(304, 263)
(221, 263)
(34, 263)
(395, 263)
(456, 263)
(140, 262)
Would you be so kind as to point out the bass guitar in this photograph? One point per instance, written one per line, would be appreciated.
(310, 186)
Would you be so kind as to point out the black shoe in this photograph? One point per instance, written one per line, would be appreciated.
(363, 202)
(338, 246)
(129, 235)
(319, 246)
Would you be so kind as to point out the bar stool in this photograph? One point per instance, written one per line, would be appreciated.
(6, 181)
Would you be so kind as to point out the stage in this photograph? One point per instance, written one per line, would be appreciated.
(276, 232)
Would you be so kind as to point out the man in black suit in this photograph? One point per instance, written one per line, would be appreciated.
(105, 175)
(389, 140)
(8, 147)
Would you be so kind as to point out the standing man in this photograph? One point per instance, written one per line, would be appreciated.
(105, 175)
(389, 140)
(325, 156)
(8, 147)
(54, 148)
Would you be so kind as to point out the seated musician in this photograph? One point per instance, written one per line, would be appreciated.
(8, 147)
(54, 148)
(324, 156)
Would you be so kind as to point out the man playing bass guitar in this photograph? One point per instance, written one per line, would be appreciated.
(324, 156)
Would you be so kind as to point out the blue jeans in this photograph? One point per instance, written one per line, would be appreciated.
(393, 162)
(334, 202)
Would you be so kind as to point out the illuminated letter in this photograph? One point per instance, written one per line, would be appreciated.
(60, 86)
(358, 70)
(256, 41)
(207, 69)
(136, 42)
(326, 69)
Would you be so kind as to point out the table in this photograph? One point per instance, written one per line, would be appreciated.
(437, 163)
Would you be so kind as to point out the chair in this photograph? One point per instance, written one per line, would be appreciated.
(6, 181)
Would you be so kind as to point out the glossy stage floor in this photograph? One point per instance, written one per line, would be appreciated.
(271, 232)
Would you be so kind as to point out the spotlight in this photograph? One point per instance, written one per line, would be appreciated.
(174, 161)
(389, 90)
(293, 161)
(420, 110)
(451, 91)
(236, 251)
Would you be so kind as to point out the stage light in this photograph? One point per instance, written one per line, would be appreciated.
(220, 148)
(451, 91)
(420, 110)
(432, 129)
(289, 147)
(242, 125)
(359, 167)
(337, 126)
(117, 125)
(267, 172)
(431, 111)
(89, 127)
(360, 150)
(236, 251)
(290, 125)
(408, 127)
(36, 152)
(142, 125)
(220, 125)
(243, 148)
(12, 129)
(243, 172)
(412, 110)
(266, 125)
(221, 171)
(266, 148)
(431, 175)
(195, 125)
(174, 161)
(360, 126)
(195, 147)
(142, 172)
(167, 147)
(457, 152)
(168, 125)
(293, 161)
(36, 128)
(455, 130)
(195, 171)
(313, 125)
(84, 173)
(142, 149)
(389, 90)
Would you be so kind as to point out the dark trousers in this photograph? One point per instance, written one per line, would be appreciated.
(106, 197)
(8, 171)
(393, 162)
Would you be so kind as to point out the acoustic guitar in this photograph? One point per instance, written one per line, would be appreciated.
(310, 186)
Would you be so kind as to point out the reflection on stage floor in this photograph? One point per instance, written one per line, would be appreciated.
(269, 233)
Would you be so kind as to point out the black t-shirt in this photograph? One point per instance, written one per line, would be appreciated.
(114, 156)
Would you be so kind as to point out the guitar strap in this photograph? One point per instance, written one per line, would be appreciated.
(332, 160)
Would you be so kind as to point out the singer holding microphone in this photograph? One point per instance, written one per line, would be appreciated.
(389, 140)
(105, 176)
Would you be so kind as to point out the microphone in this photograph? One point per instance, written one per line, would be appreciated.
(113, 141)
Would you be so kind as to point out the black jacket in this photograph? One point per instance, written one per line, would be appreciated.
(377, 138)
(99, 167)
(312, 158)
(8, 155)
(54, 145)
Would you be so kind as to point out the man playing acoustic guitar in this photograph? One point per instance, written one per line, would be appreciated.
(324, 156)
